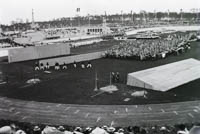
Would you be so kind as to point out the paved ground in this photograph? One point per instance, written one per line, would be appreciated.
(92, 115)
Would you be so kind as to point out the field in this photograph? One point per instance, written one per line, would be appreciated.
(67, 97)
(76, 86)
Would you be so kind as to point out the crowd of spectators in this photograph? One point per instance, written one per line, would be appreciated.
(147, 49)
(15, 127)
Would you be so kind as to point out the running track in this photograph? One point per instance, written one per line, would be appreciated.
(91, 115)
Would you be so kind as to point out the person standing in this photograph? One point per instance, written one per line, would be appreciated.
(89, 65)
(64, 66)
(37, 66)
(41, 66)
(117, 77)
(113, 77)
(47, 65)
(57, 67)
(74, 64)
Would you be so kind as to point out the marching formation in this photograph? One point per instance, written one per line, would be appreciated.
(150, 49)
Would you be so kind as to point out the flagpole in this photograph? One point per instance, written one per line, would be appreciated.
(131, 16)
(110, 79)
(122, 17)
(168, 16)
(96, 79)
(89, 19)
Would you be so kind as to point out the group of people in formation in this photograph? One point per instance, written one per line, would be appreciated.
(115, 77)
(145, 49)
(57, 66)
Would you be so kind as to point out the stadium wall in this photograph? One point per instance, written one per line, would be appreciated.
(37, 52)
(71, 59)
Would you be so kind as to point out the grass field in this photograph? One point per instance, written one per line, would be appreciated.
(76, 86)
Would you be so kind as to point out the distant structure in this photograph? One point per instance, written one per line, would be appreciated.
(155, 15)
(181, 13)
(166, 77)
(34, 25)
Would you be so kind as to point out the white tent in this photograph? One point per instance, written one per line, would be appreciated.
(166, 77)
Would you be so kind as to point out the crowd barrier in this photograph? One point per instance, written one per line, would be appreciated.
(71, 59)
(37, 52)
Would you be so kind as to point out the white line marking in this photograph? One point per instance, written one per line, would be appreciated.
(115, 111)
(150, 108)
(87, 115)
(197, 107)
(76, 111)
(11, 109)
(25, 117)
(126, 110)
(162, 110)
(195, 110)
(2, 82)
(48, 106)
(175, 112)
(17, 113)
(190, 115)
(112, 123)
(67, 108)
(58, 105)
(98, 119)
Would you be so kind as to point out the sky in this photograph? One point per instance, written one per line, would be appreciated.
(50, 9)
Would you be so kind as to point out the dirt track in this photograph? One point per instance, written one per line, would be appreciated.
(91, 115)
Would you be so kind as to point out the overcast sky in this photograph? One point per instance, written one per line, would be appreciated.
(49, 9)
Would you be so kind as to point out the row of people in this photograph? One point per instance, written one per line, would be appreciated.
(57, 66)
(28, 128)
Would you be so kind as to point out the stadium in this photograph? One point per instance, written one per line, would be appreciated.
(74, 82)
